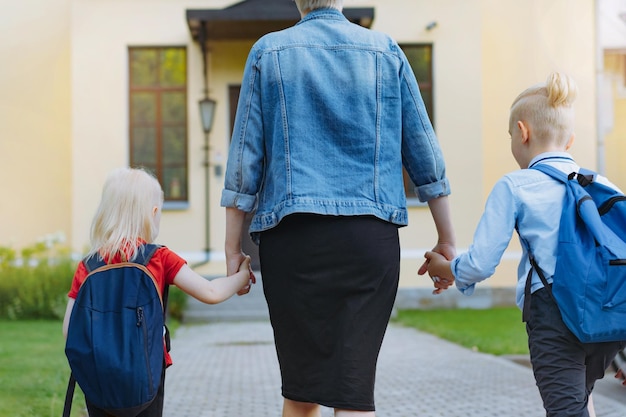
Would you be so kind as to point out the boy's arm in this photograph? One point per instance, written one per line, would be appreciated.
(212, 291)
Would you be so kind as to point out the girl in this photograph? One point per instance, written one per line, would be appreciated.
(129, 215)
(541, 126)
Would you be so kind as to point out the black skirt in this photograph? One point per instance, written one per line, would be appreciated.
(330, 284)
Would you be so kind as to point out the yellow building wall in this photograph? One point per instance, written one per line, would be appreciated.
(64, 107)
(102, 32)
(521, 43)
(615, 140)
(35, 137)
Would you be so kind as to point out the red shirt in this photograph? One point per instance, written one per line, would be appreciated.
(164, 265)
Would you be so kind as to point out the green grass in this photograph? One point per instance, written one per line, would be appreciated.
(498, 331)
(33, 370)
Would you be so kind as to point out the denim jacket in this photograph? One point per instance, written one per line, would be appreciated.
(327, 115)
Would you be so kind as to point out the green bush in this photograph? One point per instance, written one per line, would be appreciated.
(176, 303)
(34, 285)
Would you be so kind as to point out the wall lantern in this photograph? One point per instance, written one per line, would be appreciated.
(207, 113)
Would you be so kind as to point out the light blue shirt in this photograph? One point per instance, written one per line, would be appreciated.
(328, 114)
(531, 200)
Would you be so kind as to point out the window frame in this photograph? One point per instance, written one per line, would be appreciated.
(160, 124)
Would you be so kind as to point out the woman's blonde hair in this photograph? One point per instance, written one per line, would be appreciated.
(319, 4)
(548, 107)
(125, 213)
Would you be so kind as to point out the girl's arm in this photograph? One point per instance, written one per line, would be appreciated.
(216, 290)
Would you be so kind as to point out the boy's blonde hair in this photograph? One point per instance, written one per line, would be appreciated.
(547, 107)
(125, 213)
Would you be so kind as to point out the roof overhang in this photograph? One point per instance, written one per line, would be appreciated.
(252, 19)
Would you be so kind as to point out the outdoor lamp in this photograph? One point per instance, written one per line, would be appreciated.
(207, 111)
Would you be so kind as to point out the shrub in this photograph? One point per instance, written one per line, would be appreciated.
(35, 284)
(176, 303)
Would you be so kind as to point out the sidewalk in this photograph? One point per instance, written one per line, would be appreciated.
(228, 369)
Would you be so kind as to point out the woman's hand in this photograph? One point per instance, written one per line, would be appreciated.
(239, 261)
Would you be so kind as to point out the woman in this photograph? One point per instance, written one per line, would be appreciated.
(328, 113)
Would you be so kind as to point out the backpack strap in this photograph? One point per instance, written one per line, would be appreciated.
(542, 277)
(69, 395)
(144, 254)
(583, 176)
(527, 293)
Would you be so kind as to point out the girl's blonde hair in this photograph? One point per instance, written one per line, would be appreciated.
(319, 4)
(125, 213)
(548, 107)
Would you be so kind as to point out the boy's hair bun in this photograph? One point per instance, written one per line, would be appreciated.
(561, 89)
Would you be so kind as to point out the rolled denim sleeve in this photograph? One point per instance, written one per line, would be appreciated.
(433, 190)
(240, 201)
(421, 154)
(245, 165)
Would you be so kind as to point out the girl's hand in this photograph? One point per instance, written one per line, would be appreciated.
(245, 266)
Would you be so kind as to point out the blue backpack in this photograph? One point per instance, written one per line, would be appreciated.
(115, 336)
(589, 283)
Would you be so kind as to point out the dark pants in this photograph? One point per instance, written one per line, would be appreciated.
(155, 409)
(565, 369)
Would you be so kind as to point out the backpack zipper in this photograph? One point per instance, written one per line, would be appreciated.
(140, 323)
(606, 206)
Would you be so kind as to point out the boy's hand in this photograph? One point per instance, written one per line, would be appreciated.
(446, 249)
(620, 375)
(439, 271)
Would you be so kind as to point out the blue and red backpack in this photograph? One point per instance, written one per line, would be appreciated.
(115, 335)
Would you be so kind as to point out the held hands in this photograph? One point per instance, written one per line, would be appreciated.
(437, 265)
(243, 265)
(621, 375)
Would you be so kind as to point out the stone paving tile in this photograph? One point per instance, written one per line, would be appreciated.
(230, 369)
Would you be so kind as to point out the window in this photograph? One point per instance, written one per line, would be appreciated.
(158, 116)
(421, 59)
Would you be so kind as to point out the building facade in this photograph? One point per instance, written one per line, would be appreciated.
(90, 85)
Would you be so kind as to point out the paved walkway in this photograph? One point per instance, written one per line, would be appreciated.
(229, 369)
